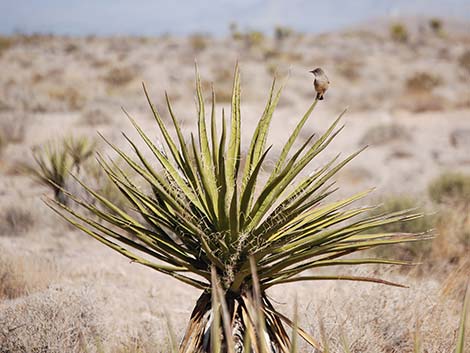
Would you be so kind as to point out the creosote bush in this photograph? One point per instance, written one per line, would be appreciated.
(399, 32)
(206, 218)
(450, 187)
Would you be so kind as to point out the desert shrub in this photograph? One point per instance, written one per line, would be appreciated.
(53, 321)
(119, 76)
(464, 61)
(12, 128)
(281, 32)
(422, 101)
(399, 32)
(5, 43)
(71, 97)
(198, 42)
(422, 82)
(235, 33)
(95, 116)
(451, 187)
(385, 133)
(254, 39)
(436, 25)
(15, 220)
(349, 69)
(423, 224)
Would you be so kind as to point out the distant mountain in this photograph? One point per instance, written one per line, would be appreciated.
(147, 17)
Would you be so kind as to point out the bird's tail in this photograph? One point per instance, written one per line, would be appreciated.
(320, 96)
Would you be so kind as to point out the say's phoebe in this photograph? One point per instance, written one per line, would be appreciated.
(320, 82)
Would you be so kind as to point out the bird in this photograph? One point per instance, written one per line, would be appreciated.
(321, 82)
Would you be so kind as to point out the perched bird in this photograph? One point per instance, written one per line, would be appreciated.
(321, 82)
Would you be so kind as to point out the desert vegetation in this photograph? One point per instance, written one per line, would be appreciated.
(150, 192)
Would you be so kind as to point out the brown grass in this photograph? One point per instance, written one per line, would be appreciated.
(21, 276)
(57, 320)
(119, 76)
(16, 220)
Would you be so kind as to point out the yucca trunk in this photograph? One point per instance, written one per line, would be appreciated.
(243, 316)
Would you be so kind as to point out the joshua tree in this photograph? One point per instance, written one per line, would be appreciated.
(207, 221)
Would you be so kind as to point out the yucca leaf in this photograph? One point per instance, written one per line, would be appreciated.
(459, 348)
(292, 139)
(233, 152)
(334, 278)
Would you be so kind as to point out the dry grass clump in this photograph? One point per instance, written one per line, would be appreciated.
(423, 101)
(385, 133)
(399, 32)
(422, 82)
(198, 42)
(450, 187)
(20, 276)
(5, 43)
(120, 76)
(16, 220)
(418, 95)
(380, 319)
(93, 116)
(452, 241)
(464, 61)
(349, 69)
(57, 320)
(12, 129)
(71, 97)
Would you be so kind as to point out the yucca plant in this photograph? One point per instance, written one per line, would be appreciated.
(55, 160)
(203, 217)
(53, 164)
(80, 149)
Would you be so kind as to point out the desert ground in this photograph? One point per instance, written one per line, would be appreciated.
(406, 86)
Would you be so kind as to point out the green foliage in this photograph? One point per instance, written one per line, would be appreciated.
(436, 25)
(420, 225)
(208, 216)
(399, 33)
(281, 32)
(79, 149)
(55, 160)
(451, 187)
(254, 38)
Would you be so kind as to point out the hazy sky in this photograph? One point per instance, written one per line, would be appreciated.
(146, 17)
